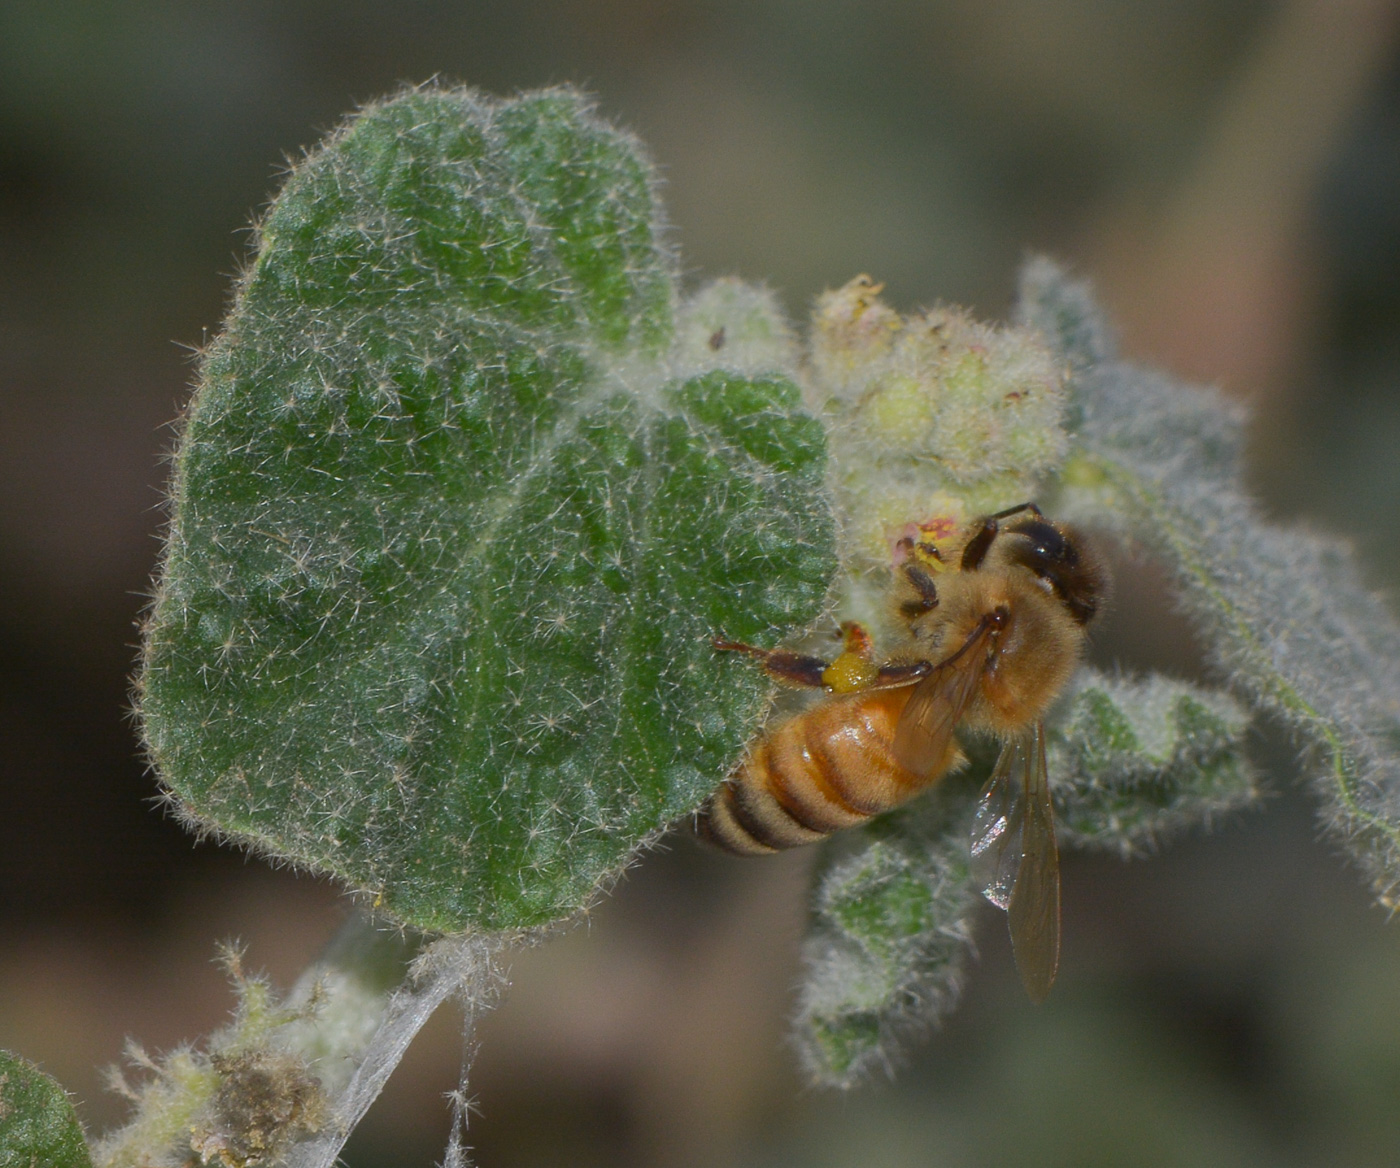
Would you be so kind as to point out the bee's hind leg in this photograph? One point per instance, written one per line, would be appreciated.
(852, 670)
(782, 665)
(898, 675)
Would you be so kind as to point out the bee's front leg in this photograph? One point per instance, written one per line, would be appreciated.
(975, 550)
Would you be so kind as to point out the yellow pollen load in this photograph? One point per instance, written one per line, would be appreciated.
(849, 672)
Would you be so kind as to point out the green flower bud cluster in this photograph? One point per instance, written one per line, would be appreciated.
(932, 414)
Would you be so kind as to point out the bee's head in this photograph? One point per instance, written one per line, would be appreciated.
(1059, 556)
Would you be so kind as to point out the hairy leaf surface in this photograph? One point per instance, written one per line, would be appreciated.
(38, 1127)
(1283, 612)
(1137, 760)
(890, 937)
(452, 531)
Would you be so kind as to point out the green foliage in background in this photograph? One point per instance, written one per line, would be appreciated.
(456, 514)
(38, 1128)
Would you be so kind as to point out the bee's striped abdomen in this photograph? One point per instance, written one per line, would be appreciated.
(813, 774)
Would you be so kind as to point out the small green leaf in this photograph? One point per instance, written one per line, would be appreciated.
(890, 934)
(38, 1127)
(1131, 762)
(1065, 313)
(453, 528)
(1136, 761)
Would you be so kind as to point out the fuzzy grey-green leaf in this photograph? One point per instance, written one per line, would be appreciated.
(1283, 613)
(38, 1127)
(890, 935)
(1065, 313)
(1136, 760)
(450, 537)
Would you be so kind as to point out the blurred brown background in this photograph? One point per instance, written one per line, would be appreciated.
(1228, 171)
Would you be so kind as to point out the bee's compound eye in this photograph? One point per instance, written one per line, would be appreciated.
(1053, 555)
(1047, 545)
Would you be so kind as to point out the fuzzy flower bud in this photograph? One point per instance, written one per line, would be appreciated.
(936, 413)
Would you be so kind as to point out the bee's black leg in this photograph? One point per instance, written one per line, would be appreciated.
(975, 550)
(1016, 510)
(922, 580)
(782, 664)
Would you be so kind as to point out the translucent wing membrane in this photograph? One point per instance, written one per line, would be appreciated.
(1034, 911)
(996, 827)
(925, 729)
(1015, 861)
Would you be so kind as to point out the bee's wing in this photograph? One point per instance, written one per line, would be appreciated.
(1034, 908)
(937, 705)
(1015, 861)
(997, 825)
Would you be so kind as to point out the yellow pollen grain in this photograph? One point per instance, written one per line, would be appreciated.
(848, 673)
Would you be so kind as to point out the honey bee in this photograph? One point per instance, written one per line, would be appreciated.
(996, 612)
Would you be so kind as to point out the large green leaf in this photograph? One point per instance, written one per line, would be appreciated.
(38, 1128)
(450, 537)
